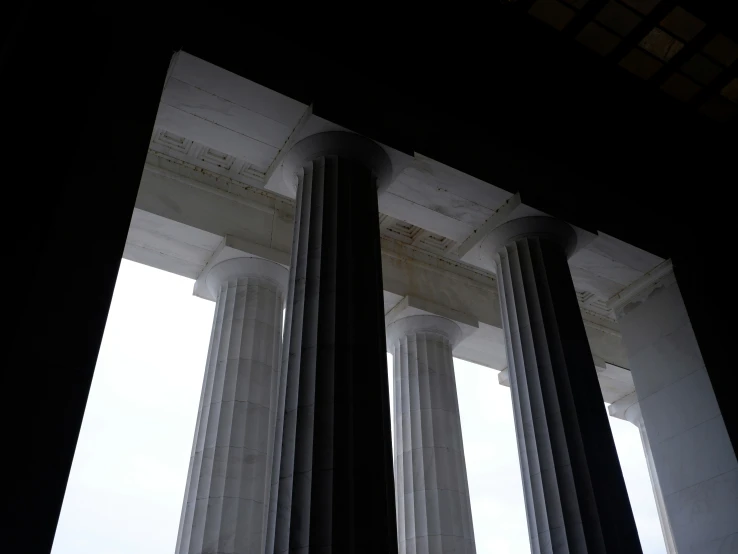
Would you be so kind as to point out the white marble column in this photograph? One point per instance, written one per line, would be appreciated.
(433, 507)
(575, 495)
(227, 495)
(333, 481)
(632, 413)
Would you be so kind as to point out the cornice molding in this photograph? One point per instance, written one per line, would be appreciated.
(640, 289)
(206, 160)
(590, 318)
(199, 166)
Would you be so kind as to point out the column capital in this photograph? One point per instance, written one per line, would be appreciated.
(627, 408)
(337, 143)
(549, 228)
(432, 324)
(239, 268)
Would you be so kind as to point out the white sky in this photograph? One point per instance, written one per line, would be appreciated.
(128, 478)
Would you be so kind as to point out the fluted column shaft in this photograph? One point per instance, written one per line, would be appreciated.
(634, 415)
(575, 495)
(335, 491)
(432, 490)
(227, 494)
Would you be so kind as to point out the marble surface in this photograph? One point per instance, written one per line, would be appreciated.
(187, 217)
(432, 490)
(227, 492)
(692, 454)
(207, 104)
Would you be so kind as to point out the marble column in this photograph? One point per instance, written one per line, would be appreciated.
(575, 495)
(633, 414)
(432, 491)
(335, 489)
(227, 495)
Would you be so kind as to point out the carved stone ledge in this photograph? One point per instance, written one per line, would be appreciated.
(639, 291)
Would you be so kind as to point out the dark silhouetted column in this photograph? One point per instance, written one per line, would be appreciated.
(575, 496)
(335, 488)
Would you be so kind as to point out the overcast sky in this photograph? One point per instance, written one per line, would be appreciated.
(127, 482)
